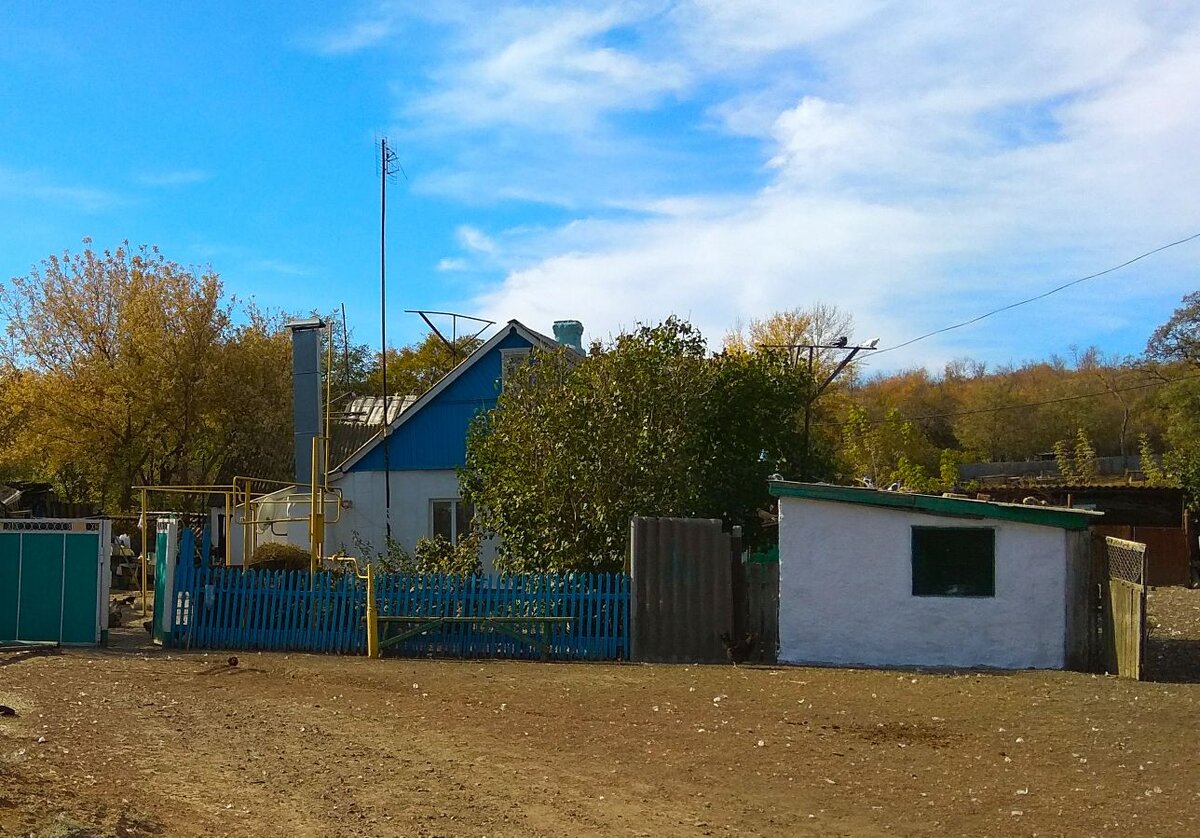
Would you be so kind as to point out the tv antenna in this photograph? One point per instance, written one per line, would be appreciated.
(452, 341)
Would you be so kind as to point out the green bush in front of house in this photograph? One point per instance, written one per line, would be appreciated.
(275, 556)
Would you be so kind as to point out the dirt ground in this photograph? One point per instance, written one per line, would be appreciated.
(134, 741)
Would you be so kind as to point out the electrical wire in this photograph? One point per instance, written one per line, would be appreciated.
(1011, 306)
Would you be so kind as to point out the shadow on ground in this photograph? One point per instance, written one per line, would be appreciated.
(10, 656)
(1172, 660)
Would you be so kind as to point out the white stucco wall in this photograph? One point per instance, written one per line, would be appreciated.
(845, 593)
(411, 493)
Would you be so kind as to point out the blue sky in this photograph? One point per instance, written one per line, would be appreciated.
(615, 162)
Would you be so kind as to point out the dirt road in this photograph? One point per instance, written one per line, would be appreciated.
(133, 743)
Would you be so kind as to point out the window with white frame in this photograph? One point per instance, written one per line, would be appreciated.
(451, 518)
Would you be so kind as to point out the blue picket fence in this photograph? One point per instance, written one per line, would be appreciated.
(596, 603)
(280, 610)
(232, 608)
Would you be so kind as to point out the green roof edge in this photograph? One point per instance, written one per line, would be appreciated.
(1067, 519)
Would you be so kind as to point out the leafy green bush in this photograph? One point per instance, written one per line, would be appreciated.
(275, 556)
(431, 555)
(437, 555)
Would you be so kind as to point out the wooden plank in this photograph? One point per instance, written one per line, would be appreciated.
(1127, 608)
(223, 579)
(293, 610)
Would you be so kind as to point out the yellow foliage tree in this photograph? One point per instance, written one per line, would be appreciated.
(820, 323)
(125, 368)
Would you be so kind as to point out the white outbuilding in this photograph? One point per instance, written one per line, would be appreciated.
(877, 578)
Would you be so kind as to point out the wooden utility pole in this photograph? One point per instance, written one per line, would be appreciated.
(387, 168)
(811, 348)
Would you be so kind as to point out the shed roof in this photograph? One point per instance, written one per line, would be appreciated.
(1046, 516)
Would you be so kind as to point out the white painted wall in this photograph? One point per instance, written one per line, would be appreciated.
(845, 593)
(411, 493)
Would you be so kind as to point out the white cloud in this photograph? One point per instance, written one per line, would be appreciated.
(374, 25)
(174, 177)
(40, 187)
(549, 70)
(476, 240)
(449, 264)
(914, 165)
(721, 33)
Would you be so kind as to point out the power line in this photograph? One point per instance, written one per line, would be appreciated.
(1040, 296)
(1059, 400)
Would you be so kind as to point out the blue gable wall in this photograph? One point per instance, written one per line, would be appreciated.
(435, 437)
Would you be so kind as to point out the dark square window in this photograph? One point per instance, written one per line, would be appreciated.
(953, 561)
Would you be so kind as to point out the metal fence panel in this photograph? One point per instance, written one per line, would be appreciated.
(682, 581)
(762, 609)
(54, 578)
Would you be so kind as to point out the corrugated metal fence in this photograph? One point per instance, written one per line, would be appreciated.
(682, 583)
(695, 600)
(232, 608)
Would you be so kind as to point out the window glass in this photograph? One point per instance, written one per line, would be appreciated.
(443, 518)
(463, 515)
(953, 561)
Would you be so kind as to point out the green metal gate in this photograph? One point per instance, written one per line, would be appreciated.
(54, 580)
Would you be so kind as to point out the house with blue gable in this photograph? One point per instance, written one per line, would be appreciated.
(406, 480)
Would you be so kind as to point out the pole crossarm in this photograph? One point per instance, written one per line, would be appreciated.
(794, 352)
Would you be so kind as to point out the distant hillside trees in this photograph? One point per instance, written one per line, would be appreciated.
(122, 367)
(914, 423)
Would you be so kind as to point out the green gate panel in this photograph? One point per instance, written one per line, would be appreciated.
(160, 573)
(40, 615)
(10, 574)
(81, 589)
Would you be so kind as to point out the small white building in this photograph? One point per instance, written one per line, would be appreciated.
(876, 578)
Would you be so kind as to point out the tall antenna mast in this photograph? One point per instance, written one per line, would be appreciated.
(388, 165)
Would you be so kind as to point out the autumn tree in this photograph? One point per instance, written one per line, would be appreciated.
(415, 368)
(648, 425)
(1179, 338)
(817, 324)
(127, 368)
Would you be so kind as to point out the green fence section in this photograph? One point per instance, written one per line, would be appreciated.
(53, 580)
(769, 555)
(10, 580)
